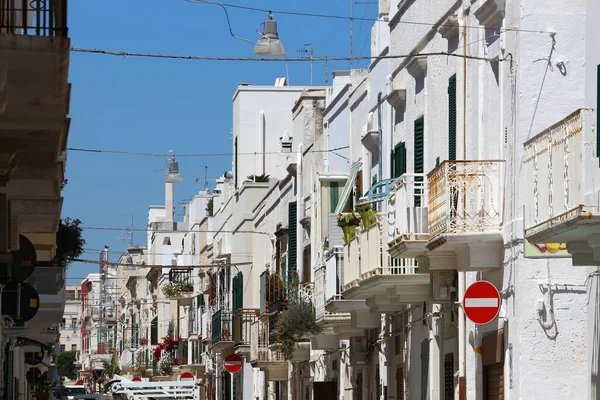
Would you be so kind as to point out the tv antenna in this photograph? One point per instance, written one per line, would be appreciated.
(308, 50)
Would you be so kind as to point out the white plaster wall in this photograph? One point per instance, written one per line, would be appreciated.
(276, 103)
(358, 100)
(336, 115)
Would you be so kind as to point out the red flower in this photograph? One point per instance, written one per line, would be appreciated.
(294, 273)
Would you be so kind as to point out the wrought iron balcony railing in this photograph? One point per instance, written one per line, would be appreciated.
(184, 277)
(557, 163)
(221, 327)
(34, 17)
(466, 197)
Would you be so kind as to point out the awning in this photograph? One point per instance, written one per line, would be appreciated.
(343, 200)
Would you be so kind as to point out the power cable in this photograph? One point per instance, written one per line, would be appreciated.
(281, 59)
(110, 228)
(346, 17)
(137, 153)
(136, 266)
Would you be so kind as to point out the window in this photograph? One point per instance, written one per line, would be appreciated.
(334, 196)
(419, 153)
(292, 239)
(452, 118)
(73, 322)
(62, 347)
(449, 376)
(398, 162)
(73, 347)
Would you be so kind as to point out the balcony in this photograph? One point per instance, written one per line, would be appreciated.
(242, 325)
(34, 103)
(180, 286)
(266, 357)
(331, 310)
(562, 205)
(407, 216)
(466, 200)
(222, 338)
(373, 275)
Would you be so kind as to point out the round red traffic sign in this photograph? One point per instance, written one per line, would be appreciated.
(481, 302)
(136, 379)
(186, 376)
(233, 363)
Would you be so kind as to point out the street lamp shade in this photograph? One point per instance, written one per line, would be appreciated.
(269, 43)
(173, 175)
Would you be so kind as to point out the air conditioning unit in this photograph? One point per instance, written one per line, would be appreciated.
(358, 350)
(443, 287)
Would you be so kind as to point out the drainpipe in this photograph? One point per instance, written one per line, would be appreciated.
(462, 384)
(380, 155)
(300, 215)
(260, 156)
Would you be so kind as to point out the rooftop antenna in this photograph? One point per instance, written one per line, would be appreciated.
(308, 50)
(326, 71)
(351, 31)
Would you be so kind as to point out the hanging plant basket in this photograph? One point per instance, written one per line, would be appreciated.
(172, 289)
(348, 222)
(368, 216)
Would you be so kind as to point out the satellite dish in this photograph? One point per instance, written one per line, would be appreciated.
(228, 175)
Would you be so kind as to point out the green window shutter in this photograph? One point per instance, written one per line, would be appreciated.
(234, 292)
(393, 164)
(452, 118)
(402, 159)
(419, 154)
(399, 160)
(292, 239)
(334, 195)
(240, 290)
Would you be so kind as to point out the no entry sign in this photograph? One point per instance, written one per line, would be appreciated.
(481, 302)
(233, 363)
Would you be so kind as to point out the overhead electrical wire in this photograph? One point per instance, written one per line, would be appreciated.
(145, 266)
(273, 59)
(346, 17)
(137, 153)
(111, 228)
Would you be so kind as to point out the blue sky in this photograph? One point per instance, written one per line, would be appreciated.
(153, 105)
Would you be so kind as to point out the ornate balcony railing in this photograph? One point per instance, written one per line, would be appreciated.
(556, 166)
(221, 327)
(184, 277)
(466, 196)
(373, 258)
(320, 293)
(34, 17)
(407, 208)
(242, 322)
(351, 261)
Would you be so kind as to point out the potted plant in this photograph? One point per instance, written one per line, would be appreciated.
(187, 287)
(275, 288)
(294, 324)
(348, 222)
(172, 289)
(165, 365)
(143, 341)
(367, 215)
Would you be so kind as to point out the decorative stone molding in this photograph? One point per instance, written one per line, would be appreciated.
(397, 98)
(490, 11)
(449, 29)
(417, 66)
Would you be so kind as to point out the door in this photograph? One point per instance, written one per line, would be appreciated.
(493, 365)
(325, 390)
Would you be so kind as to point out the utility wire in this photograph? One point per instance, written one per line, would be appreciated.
(281, 59)
(110, 228)
(347, 17)
(137, 153)
(146, 266)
